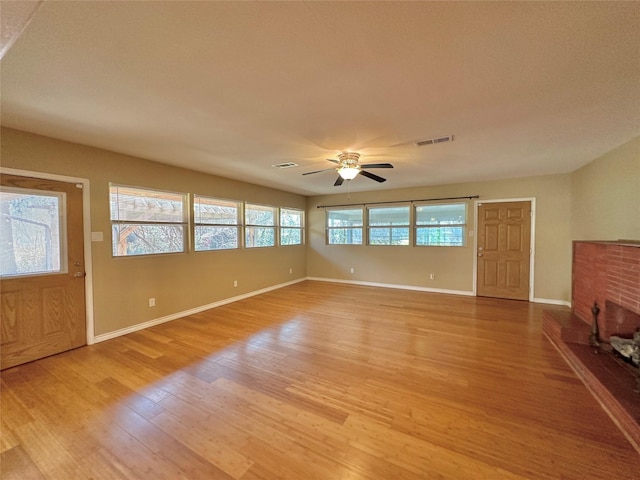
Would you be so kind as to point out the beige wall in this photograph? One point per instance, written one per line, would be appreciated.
(453, 266)
(603, 196)
(605, 203)
(122, 286)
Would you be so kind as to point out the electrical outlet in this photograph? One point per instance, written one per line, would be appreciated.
(432, 276)
(353, 270)
(291, 271)
(152, 302)
(235, 283)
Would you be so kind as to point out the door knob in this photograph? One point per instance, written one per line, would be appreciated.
(79, 274)
(480, 254)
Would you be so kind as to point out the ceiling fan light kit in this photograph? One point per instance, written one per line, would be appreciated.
(348, 173)
(348, 168)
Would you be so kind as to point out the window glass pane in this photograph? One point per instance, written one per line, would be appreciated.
(290, 236)
(441, 214)
(140, 205)
(344, 218)
(389, 225)
(260, 237)
(388, 216)
(389, 236)
(290, 218)
(344, 226)
(440, 236)
(215, 238)
(439, 224)
(30, 232)
(145, 222)
(345, 236)
(132, 239)
(216, 224)
(291, 221)
(259, 215)
(212, 211)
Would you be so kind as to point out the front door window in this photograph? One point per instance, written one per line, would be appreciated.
(31, 233)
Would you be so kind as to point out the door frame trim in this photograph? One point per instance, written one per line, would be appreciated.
(86, 220)
(532, 255)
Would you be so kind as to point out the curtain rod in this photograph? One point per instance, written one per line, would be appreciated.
(399, 201)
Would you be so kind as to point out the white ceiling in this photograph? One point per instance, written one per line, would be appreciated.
(232, 88)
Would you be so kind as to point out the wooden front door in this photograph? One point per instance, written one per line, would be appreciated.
(42, 286)
(504, 250)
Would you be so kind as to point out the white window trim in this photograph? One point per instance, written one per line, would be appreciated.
(464, 225)
(239, 222)
(185, 223)
(362, 227)
(407, 226)
(274, 226)
(281, 227)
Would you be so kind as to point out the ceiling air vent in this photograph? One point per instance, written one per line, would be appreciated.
(433, 141)
(285, 165)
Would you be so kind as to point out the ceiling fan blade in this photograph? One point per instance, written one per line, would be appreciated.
(333, 161)
(339, 181)
(372, 176)
(377, 165)
(318, 171)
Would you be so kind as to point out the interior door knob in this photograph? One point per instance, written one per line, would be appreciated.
(79, 274)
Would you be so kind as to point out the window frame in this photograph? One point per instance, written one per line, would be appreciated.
(329, 229)
(184, 224)
(391, 227)
(282, 227)
(237, 225)
(253, 226)
(440, 226)
(62, 249)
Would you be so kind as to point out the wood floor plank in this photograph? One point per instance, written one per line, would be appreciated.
(17, 465)
(416, 455)
(305, 383)
(206, 444)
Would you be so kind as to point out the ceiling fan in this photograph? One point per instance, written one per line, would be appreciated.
(348, 168)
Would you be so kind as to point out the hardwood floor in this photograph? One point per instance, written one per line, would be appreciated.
(315, 381)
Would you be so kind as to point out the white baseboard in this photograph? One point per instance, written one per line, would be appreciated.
(552, 301)
(191, 311)
(393, 285)
(427, 289)
(202, 308)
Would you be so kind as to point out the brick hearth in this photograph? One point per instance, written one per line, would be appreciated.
(608, 273)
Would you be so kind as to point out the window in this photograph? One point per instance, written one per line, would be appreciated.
(389, 225)
(145, 222)
(441, 225)
(291, 224)
(344, 227)
(31, 237)
(260, 226)
(216, 223)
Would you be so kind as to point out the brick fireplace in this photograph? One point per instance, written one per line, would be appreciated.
(609, 274)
